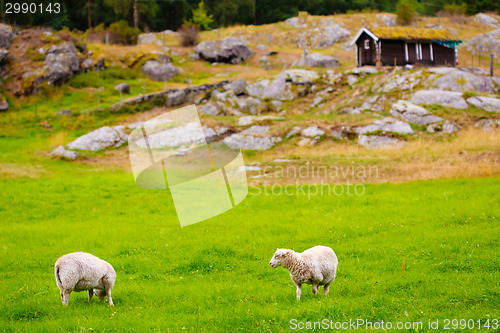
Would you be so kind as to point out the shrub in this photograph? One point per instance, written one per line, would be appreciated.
(188, 34)
(405, 12)
(125, 34)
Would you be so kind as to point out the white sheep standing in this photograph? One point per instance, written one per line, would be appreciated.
(316, 266)
(82, 271)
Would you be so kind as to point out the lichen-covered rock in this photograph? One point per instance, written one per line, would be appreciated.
(413, 113)
(486, 19)
(449, 128)
(458, 80)
(232, 50)
(441, 97)
(101, 138)
(158, 71)
(249, 104)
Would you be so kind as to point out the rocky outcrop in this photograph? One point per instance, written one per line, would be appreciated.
(239, 86)
(319, 60)
(61, 63)
(459, 80)
(413, 113)
(322, 37)
(232, 50)
(486, 19)
(441, 97)
(101, 138)
(209, 109)
(159, 71)
(491, 104)
(6, 36)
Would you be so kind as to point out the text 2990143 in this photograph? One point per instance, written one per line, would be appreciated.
(32, 8)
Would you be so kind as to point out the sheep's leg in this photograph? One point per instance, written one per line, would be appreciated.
(65, 296)
(299, 289)
(327, 287)
(315, 288)
(91, 293)
(108, 293)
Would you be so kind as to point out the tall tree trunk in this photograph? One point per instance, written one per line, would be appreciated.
(90, 21)
(136, 15)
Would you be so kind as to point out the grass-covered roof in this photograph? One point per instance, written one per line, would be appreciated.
(411, 33)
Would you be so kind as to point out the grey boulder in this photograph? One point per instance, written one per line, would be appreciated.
(62, 152)
(490, 104)
(101, 138)
(319, 60)
(123, 87)
(232, 50)
(158, 71)
(441, 97)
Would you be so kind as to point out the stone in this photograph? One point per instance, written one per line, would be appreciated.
(62, 152)
(231, 50)
(176, 97)
(378, 141)
(485, 124)
(337, 134)
(242, 141)
(304, 142)
(239, 86)
(441, 97)
(324, 37)
(101, 138)
(123, 87)
(295, 22)
(209, 109)
(249, 104)
(158, 71)
(490, 104)
(293, 132)
(276, 105)
(4, 106)
(364, 70)
(486, 20)
(449, 128)
(64, 112)
(61, 63)
(194, 56)
(318, 60)
(386, 125)
(388, 19)
(6, 36)
(312, 131)
(256, 129)
(413, 113)
(458, 80)
(299, 76)
(177, 136)
(87, 64)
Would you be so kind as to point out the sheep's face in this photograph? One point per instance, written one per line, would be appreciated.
(276, 259)
(100, 293)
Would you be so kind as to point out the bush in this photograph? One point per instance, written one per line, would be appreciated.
(405, 12)
(456, 13)
(125, 34)
(200, 17)
(188, 34)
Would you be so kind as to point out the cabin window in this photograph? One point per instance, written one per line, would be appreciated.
(367, 44)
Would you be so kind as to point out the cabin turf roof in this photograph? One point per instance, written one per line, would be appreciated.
(411, 33)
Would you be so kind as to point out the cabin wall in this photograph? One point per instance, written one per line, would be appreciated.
(390, 50)
(443, 55)
(366, 56)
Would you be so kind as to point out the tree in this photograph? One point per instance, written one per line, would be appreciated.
(200, 17)
(405, 12)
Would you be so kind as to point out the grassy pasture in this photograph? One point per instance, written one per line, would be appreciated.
(407, 252)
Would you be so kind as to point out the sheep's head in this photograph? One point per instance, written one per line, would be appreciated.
(278, 256)
(100, 293)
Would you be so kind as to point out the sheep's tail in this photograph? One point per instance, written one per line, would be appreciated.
(58, 280)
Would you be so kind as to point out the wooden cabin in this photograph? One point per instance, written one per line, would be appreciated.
(401, 46)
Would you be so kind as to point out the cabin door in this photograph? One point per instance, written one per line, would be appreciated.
(367, 52)
(412, 53)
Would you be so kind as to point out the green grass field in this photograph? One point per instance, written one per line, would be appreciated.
(407, 252)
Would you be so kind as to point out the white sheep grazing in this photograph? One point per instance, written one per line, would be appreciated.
(82, 271)
(316, 266)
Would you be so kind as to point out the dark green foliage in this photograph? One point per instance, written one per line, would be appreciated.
(406, 12)
(125, 33)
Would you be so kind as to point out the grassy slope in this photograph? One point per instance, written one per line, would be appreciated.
(407, 252)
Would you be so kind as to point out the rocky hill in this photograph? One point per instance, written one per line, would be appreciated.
(256, 91)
